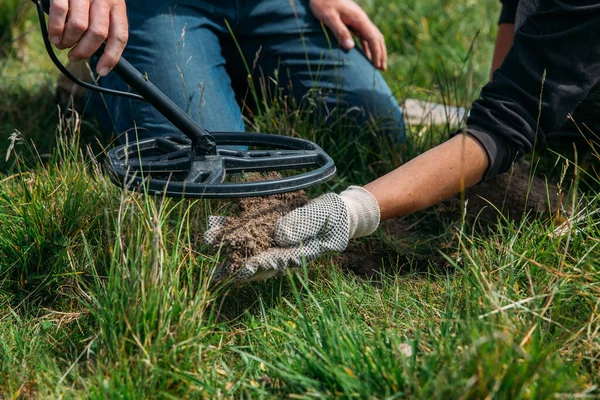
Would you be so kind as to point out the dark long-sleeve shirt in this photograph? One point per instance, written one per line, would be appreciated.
(551, 68)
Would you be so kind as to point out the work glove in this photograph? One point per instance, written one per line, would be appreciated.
(325, 224)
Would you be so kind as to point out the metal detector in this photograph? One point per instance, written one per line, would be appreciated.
(193, 163)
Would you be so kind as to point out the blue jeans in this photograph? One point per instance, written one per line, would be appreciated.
(187, 50)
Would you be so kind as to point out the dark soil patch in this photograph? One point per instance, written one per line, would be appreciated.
(396, 227)
(364, 262)
(250, 229)
(369, 257)
(512, 195)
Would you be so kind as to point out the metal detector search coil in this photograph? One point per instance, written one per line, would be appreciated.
(167, 166)
(195, 164)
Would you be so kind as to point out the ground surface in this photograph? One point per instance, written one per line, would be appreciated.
(105, 294)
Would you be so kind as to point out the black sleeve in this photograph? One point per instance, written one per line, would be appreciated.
(509, 11)
(551, 67)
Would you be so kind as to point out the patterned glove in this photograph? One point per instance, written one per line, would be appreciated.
(325, 224)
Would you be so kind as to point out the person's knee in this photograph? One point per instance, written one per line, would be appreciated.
(358, 91)
(373, 110)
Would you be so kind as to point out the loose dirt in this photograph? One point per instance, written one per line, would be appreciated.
(512, 195)
(249, 230)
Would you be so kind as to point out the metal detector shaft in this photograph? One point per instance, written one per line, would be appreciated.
(202, 142)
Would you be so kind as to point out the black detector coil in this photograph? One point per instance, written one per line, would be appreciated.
(167, 165)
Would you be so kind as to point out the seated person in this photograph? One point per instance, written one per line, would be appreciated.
(201, 52)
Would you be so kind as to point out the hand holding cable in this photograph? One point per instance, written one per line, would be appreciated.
(83, 25)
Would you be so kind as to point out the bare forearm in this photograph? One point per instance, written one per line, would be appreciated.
(430, 178)
(504, 41)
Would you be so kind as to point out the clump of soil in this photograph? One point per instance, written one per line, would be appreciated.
(249, 231)
(512, 195)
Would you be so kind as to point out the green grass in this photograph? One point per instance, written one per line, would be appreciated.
(105, 294)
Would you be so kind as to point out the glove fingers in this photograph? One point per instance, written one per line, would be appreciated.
(311, 221)
(276, 261)
(216, 221)
(215, 224)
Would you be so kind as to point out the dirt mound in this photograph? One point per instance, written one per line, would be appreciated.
(249, 230)
(513, 195)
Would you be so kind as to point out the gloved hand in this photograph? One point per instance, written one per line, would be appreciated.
(325, 224)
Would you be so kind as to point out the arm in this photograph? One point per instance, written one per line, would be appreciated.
(507, 119)
(430, 178)
(506, 33)
(504, 41)
(328, 222)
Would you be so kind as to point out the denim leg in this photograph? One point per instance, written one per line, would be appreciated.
(179, 49)
(309, 60)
